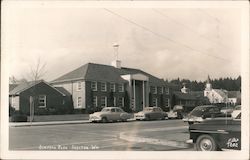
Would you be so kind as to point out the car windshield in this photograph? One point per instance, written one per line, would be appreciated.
(198, 111)
(106, 110)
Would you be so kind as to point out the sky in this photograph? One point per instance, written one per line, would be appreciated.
(189, 43)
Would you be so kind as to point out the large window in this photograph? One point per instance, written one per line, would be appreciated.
(94, 86)
(103, 101)
(167, 102)
(121, 88)
(153, 90)
(79, 102)
(167, 90)
(120, 102)
(155, 102)
(112, 87)
(79, 86)
(94, 101)
(160, 90)
(42, 101)
(103, 86)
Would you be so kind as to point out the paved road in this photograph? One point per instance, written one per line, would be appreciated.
(162, 135)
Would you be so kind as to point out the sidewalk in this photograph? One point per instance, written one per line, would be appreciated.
(23, 124)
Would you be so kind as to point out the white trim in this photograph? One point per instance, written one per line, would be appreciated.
(96, 88)
(96, 100)
(78, 87)
(78, 105)
(112, 84)
(44, 99)
(105, 86)
(105, 101)
(122, 86)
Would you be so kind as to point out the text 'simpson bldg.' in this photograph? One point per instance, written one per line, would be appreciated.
(94, 86)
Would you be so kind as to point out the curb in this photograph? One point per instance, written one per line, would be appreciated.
(47, 123)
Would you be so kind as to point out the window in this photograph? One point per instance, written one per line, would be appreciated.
(153, 90)
(161, 90)
(103, 101)
(121, 101)
(79, 86)
(154, 102)
(94, 86)
(79, 102)
(94, 101)
(42, 101)
(167, 102)
(103, 87)
(121, 88)
(112, 87)
(167, 90)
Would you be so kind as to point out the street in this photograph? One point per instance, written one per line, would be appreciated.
(164, 135)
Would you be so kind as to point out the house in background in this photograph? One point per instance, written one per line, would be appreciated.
(221, 95)
(46, 98)
(94, 86)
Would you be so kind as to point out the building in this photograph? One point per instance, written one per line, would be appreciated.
(94, 86)
(221, 95)
(188, 99)
(40, 98)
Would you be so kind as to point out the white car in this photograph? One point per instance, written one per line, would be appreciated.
(151, 113)
(172, 114)
(108, 114)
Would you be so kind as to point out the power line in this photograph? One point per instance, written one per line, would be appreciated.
(164, 37)
(186, 26)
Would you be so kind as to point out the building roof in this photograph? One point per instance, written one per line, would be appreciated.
(26, 85)
(185, 96)
(221, 92)
(23, 86)
(100, 72)
(63, 90)
(234, 94)
(12, 86)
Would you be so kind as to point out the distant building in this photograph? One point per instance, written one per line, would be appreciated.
(94, 86)
(221, 95)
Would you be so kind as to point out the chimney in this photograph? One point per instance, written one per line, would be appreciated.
(116, 64)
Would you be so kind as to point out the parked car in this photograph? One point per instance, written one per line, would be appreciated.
(151, 113)
(216, 134)
(109, 114)
(172, 114)
(199, 113)
(236, 111)
(227, 110)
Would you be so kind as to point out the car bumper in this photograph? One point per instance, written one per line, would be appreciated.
(189, 141)
(95, 119)
(140, 117)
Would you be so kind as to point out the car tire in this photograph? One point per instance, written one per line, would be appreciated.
(104, 120)
(206, 142)
(148, 118)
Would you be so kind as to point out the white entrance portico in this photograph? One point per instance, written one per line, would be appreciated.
(138, 90)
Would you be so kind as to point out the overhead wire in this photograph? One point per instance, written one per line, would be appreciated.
(163, 36)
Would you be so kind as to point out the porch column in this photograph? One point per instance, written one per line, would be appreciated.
(134, 95)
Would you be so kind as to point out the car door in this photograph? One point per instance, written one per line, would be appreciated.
(231, 140)
(113, 114)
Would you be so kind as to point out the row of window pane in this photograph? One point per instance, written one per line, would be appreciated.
(104, 87)
(155, 102)
(117, 101)
(153, 90)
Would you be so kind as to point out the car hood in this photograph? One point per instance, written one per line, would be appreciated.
(97, 114)
(143, 112)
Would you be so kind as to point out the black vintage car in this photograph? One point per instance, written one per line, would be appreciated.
(216, 134)
(199, 113)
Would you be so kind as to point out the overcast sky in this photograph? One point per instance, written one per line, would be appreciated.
(166, 42)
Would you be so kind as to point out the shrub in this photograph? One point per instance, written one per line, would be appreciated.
(18, 117)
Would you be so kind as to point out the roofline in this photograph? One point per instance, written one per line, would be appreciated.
(18, 93)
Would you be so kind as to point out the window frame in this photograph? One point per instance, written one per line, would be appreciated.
(153, 89)
(160, 90)
(91, 85)
(77, 86)
(167, 90)
(167, 102)
(45, 99)
(122, 87)
(112, 89)
(156, 102)
(95, 99)
(105, 101)
(105, 87)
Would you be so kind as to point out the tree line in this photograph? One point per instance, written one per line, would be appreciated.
(228, 83)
